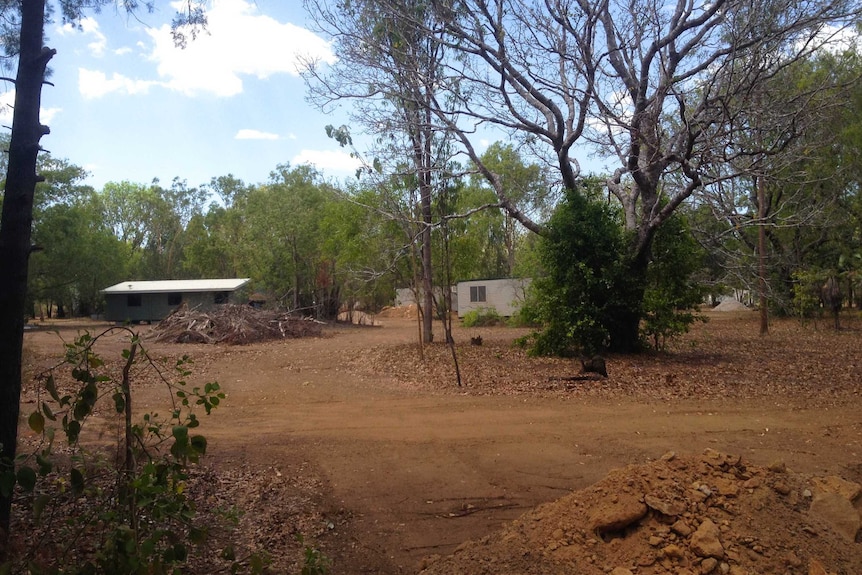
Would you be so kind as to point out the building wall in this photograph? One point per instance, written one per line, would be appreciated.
(404, 296)
(503, 295)
(156, 306)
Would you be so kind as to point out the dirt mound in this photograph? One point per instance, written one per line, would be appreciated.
(232, 324)
(682, 515)
(404, 311)
(357, 318)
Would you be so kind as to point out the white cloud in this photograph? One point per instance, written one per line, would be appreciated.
(88, 26)
(122, 51)
(95, 84)
(7, 102)
(247, 134)
(335, 160)
(46, 115)
(621, 108)
(238, 42)
(836, 40)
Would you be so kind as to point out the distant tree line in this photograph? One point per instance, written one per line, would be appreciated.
(308, 244)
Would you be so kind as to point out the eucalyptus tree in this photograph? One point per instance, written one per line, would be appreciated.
(366, 246)
(229, 189)
(22, 25)
(786, 199)
(648, 84)
(282, 238)
(392, 196)
(497, 233)
(126, 207)
(213, 245)
(78, 256)
(775, 127)
(151, 221)
(389, 69)
(208, 251)
(170, 212)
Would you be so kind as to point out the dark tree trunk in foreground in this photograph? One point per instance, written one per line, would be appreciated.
(15, 228)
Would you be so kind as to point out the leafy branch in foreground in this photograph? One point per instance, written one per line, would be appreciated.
(120, 507)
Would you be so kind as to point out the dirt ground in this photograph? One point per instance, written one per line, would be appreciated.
(378, 458)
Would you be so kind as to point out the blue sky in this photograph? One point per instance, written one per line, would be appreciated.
(127, 105)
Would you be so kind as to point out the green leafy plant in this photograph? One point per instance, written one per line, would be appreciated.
(806, 298)
(588, 296)
(577, 299)
(125, 508)
(672, 298)
(314, 561)
(482, 317)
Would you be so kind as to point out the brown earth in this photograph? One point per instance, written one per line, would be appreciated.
(384, 464)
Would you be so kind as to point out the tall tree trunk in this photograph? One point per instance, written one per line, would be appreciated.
(761, 255)
(510, 244)
(624, 324)
(295, 256)
(427, 269)
(15, 229)
(425, 160)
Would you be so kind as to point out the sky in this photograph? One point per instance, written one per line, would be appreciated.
(126, 104)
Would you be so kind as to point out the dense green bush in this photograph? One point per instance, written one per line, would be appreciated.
(576, 298)
(482, 317)
(806, 293)
(591, 294)
(672, 297)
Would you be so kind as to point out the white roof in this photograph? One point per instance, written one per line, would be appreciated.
(177, 286)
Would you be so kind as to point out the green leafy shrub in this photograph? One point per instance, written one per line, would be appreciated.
(593, 297)
(482, 317)
(121, 509)
(672, 298)
(314, 561)
(523, 317)
(575, 300)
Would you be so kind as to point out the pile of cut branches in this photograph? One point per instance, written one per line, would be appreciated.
(233, 325)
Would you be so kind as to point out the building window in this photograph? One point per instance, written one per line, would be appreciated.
(477, 294)
(133, 300)
(175, 298)
(221, 297)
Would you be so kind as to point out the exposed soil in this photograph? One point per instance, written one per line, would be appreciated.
(378, 459)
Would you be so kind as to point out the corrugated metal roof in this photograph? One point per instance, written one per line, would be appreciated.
(162, 286)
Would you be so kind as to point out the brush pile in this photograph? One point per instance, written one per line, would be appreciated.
(232, 325)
